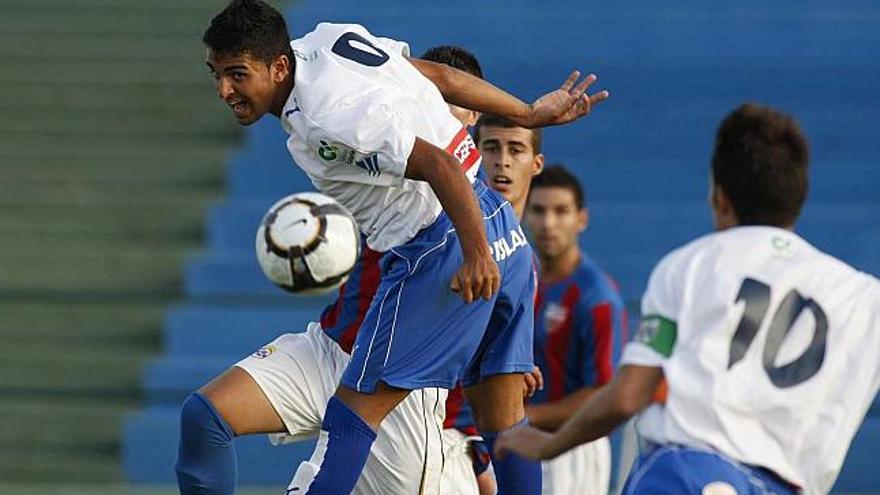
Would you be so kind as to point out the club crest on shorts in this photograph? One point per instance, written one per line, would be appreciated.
(264, 352)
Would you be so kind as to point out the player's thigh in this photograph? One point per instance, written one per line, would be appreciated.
(242, 404)
(296, 375)
(583, 470)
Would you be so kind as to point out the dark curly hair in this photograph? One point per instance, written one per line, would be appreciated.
(454, 56)
(252, 27)
(558, 176)
(761, 162)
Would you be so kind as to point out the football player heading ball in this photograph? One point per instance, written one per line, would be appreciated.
(406, 173)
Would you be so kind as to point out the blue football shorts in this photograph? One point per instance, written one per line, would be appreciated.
(417, 333)
(678, 470)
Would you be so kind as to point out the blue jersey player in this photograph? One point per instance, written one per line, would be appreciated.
(407, 176)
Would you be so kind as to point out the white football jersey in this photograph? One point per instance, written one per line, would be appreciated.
(770, 348)
(355, 111)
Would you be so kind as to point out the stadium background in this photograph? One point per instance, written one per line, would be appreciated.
(129, 198)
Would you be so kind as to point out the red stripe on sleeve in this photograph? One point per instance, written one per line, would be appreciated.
(603, 339)
(558, 344)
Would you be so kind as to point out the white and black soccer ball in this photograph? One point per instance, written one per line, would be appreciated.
(308, 243)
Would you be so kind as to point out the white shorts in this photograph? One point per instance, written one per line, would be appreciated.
(584, 470)
(299, 373)
(458, 476)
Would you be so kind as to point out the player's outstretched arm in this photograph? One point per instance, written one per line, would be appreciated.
(550, 416)
(569, 102)
(629, 392)
(479, 275)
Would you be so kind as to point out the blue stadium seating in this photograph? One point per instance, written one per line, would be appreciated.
(674, 69)
(211, 330)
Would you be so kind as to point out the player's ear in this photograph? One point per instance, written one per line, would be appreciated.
(474, 117)
(538, 165)
(719, 200)
(722, 208)
(583, 219)
(280, 69)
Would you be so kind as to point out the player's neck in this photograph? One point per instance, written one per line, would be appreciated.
(556, 268)
(282, 96)
(519, 207)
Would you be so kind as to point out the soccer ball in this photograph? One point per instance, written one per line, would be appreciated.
(308, 243)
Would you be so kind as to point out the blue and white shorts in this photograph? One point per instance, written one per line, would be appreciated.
(418, 333)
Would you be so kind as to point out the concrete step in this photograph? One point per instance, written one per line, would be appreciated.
(115, 327)
(46, 424)
(90, 372)
(67, 467)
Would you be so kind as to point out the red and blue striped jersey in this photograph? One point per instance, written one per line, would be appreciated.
(580, 324)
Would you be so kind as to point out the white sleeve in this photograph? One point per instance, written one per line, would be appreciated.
(366, 142)
(655, 338)
(400, 47)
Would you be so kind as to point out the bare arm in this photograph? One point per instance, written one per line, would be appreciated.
(551, 415)
(568, 103)
(479, 275)
(631, 390)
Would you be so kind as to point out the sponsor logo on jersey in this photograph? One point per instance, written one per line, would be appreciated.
(502, 249)
(265, 352)
(781, 243)
(370, 163)
(335, 152)
(554, 316)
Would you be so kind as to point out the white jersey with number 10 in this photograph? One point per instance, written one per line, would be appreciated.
(770, 348)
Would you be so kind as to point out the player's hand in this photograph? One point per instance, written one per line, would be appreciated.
(478, 277)
(569, 102)
(526, 441)
(532, 382)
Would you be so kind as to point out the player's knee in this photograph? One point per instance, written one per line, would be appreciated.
(200, 422)
(206, 455)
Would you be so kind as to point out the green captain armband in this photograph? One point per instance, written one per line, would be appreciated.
(658, 333)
